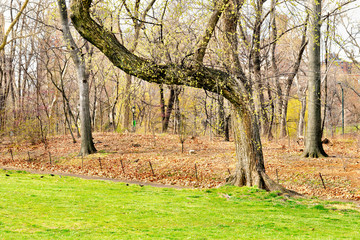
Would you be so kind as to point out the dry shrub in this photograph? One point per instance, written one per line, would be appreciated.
(28, 130)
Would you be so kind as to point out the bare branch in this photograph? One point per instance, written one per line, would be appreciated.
(12, 25)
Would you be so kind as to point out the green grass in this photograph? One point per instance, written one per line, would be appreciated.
(50, 207)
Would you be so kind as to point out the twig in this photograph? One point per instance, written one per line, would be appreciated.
(322, 180)
(152, 170)
(344, 164)
(50, 158)
(100, 164)
(229, 171)
(196, 174)
(277, 176)
(11, 152)
(29, 156)
(122, 166)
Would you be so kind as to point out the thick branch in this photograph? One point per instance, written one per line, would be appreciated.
(201, 77)
(210, 28)
(70, 43)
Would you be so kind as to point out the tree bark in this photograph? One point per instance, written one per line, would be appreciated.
(313, 145)
(87, 144)
(221, 115)
(227, 128)
(255, 54)
(301, 125)
(126, 119)
(174, 92)
(250, 169)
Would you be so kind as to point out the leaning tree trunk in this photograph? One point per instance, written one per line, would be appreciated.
(87, 144)
(250, 169)
(313, 145)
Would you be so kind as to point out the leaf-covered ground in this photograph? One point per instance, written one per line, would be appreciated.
(205, 162)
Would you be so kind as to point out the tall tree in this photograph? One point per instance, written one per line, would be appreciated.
(250, 170)
(313, 144)
(87, 144)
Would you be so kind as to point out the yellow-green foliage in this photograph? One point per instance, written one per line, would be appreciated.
(28, 130)
(293, 112)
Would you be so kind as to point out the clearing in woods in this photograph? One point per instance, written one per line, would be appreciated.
(205, 163)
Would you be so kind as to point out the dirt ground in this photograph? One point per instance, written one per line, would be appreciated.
(204, 163)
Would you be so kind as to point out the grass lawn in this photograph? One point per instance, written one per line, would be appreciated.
(53, 207)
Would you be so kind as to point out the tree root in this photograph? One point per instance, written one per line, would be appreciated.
(265, 183)
(271, 185)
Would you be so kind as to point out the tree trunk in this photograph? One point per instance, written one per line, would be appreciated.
(177, 114)
(250, 169)
(126, 119)
(162, 105)
(269, 134)
(221, 116)
(227, 128)
(313, 145)
(250, 162)
(327, 49)
(258, 95)
(283, 117)
(170, 106)
(301, 124)
(87, 144)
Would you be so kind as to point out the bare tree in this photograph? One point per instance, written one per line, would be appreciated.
(87, 144)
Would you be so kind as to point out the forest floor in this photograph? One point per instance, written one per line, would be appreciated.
(205, 162)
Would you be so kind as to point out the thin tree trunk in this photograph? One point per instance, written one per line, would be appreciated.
(326, 75)
(162, 105)
(221, 115)
(87, 144)
(269, 134)
(177, 116)
(259, 98)
(169, 108)
(227, 128)
(127, 105)
(301, 124)
(67, 121)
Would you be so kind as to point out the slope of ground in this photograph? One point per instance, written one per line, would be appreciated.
(205, 163)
